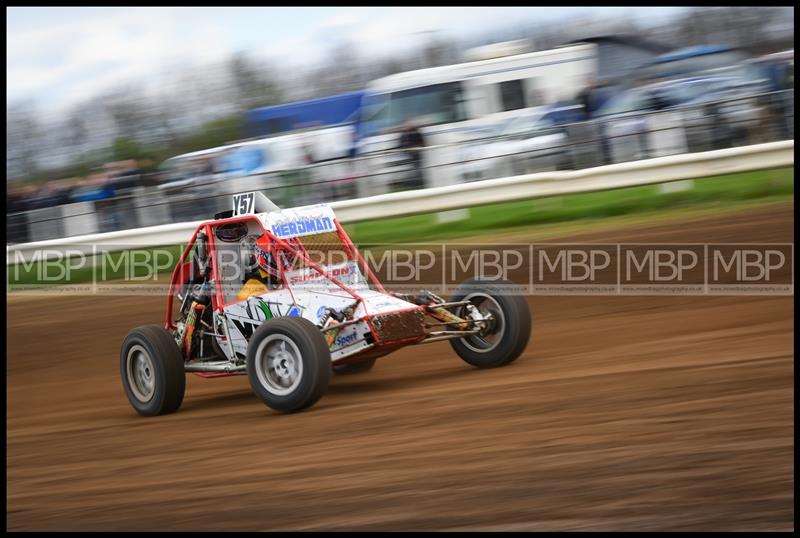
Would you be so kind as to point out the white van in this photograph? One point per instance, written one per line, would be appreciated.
(272, 164)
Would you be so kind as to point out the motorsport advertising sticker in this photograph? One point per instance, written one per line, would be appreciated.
(300, 221)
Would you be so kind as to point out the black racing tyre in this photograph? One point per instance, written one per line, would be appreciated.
(152, 371)
(353, 368)
(288, 364)
(506, 336)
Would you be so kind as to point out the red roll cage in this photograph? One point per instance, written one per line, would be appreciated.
(180, 274)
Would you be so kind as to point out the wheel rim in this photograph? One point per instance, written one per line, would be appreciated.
(279, 366)
(490, 337)
(141, 373)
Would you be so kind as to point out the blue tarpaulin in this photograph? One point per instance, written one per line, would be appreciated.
(325, 111)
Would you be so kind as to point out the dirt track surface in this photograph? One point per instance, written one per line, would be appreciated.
(624, 413)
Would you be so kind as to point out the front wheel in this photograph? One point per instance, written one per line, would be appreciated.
(508, 330)
(152, 370)
(288, 364)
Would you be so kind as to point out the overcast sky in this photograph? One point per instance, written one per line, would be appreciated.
(58, 56)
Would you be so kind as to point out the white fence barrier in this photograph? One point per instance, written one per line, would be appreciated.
(629, 174)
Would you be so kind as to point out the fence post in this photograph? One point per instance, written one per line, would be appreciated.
(79, 218)
(149, 207)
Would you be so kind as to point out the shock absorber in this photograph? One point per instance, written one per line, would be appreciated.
(329, 321)
(200, 299)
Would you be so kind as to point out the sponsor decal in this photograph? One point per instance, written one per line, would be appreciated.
(311, 274)
(246, 328)
(321, 310)
(265, 308)
(261, 304)
(303, 227)
(346, 339)
(266, 262)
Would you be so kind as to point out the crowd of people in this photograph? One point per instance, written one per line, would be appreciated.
(104, 182)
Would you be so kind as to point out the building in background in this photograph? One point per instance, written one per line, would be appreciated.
(617, 55)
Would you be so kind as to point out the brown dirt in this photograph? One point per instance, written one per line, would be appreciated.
(624, 413)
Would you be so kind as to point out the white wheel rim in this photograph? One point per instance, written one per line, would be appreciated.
(141, 373)
(279, 366)
(487, 340)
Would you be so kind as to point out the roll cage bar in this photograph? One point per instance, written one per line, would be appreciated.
(182, 272)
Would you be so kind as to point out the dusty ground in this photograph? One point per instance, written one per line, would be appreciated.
(624, 413)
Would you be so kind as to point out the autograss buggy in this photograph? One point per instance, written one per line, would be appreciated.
(252, 300)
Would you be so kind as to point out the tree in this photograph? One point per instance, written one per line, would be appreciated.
(126, 147)
(212, 134)
(251, 84)
(23, 140)
(757, 30)
(341, 71)
(74, 132)
(126, 111)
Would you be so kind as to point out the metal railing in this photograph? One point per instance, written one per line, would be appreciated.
(399, 204)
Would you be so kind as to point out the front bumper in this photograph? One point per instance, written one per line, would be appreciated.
(400, 326)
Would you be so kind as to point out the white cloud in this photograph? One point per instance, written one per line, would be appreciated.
(344, 20)
(69, 60)
(70, 54)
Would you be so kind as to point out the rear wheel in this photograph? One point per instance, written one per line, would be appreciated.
(508, 330)
(152, 371)
(288, 364)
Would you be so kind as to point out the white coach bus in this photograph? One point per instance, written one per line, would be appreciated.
(457, 102)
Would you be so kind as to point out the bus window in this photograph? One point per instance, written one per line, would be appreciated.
(439, 103)
(375, 117)
(512, 95)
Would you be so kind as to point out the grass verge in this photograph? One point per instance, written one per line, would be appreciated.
(538, 218)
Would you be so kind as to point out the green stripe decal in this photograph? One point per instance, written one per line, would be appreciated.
(265, 308)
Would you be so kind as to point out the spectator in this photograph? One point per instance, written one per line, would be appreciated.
(352, 151)
(413, 143)
(309, 153)
(584, 98)
(721, 132)
(657, 100)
